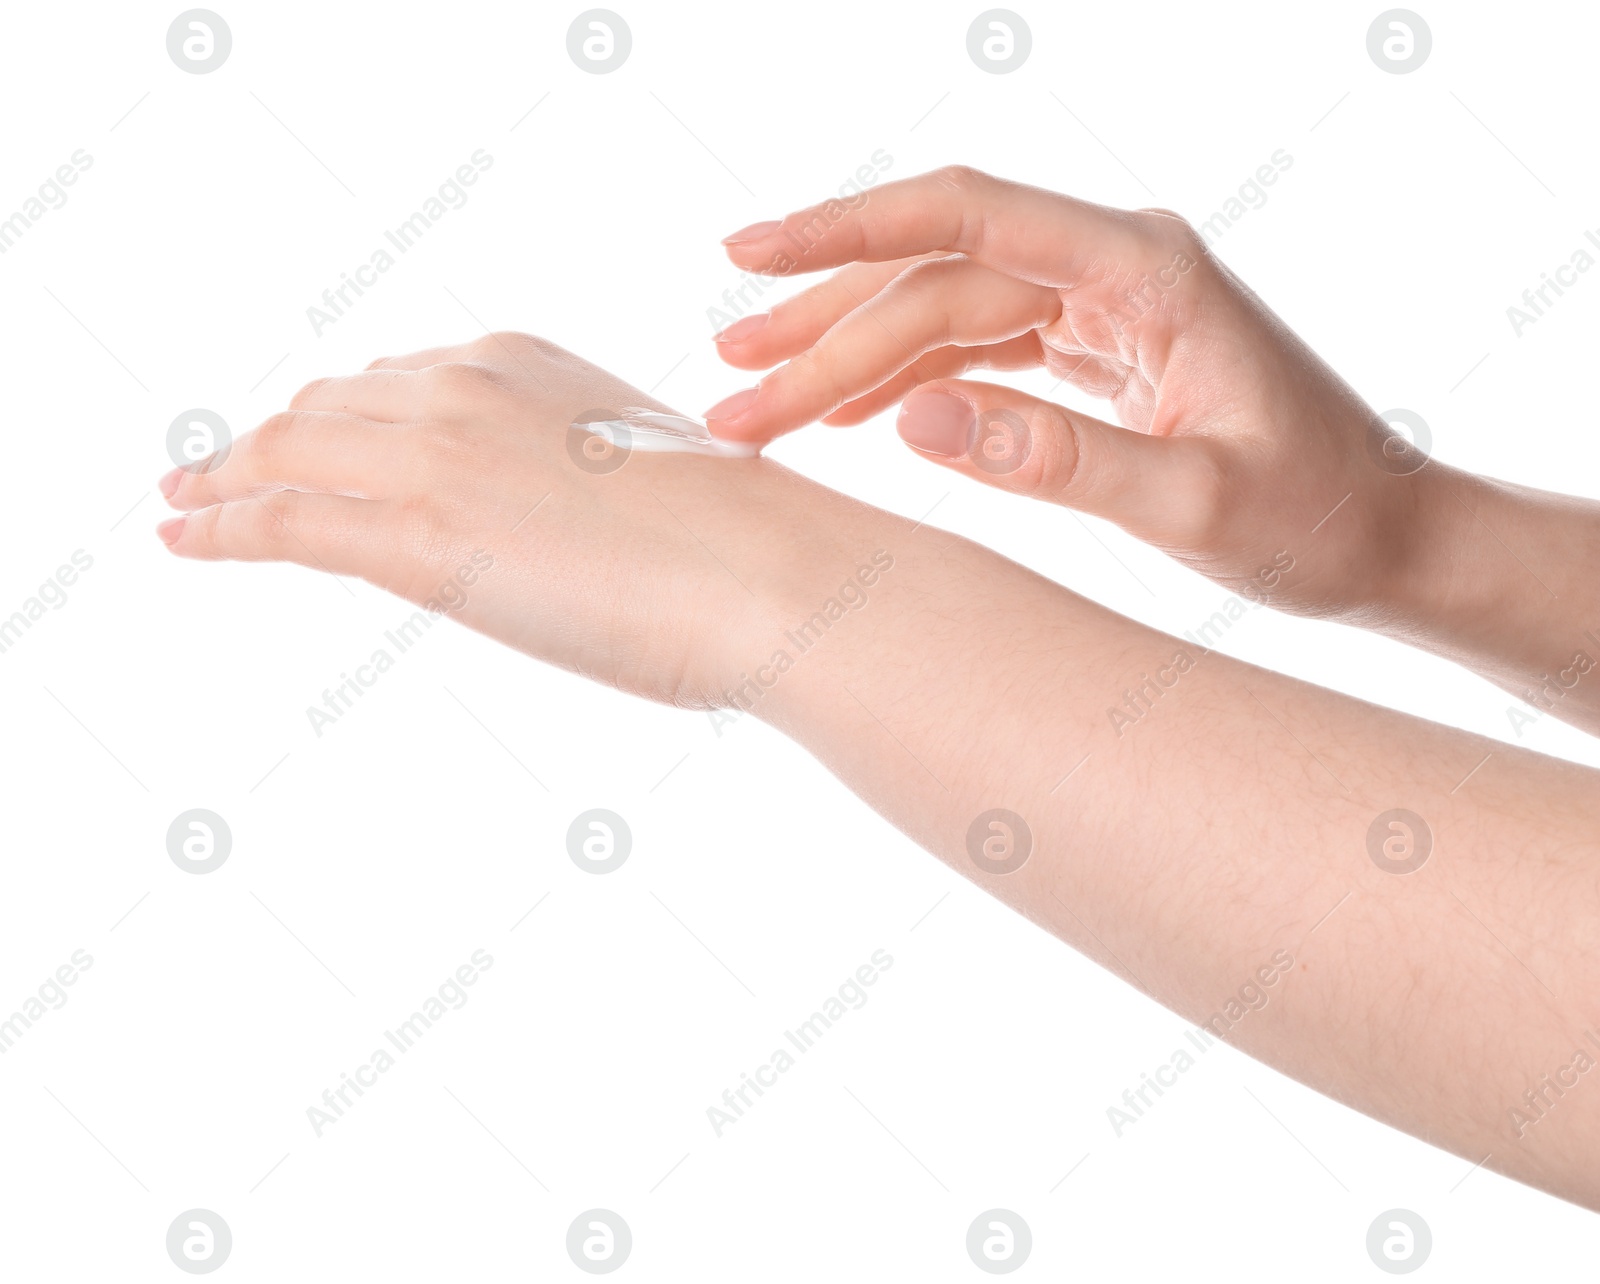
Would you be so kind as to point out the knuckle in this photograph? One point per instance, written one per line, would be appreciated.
(1055, 460)
(814, 371)
(200, 533)
(1172, 233)
(924, 275)
(445, 447)
(268, 526)
(923, 290)
(191, 485)
(963, 179)
(494, 341)
(306, 393)
(499, 342)
(1201, 507)
(456, 381)
(418, 526)
(272, 437)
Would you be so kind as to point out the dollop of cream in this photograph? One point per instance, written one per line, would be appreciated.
(638, 429)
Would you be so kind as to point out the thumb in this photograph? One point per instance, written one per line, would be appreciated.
(1158, 488)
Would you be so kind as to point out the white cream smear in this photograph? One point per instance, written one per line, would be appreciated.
(637, 429)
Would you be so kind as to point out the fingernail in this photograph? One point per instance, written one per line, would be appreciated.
(744, 328)
(170, 529)
(169, 483)
(939, 423)
(732, 407)
(752, 233)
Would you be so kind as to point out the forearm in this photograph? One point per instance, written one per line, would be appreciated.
(1505, 580)
(1225, 828)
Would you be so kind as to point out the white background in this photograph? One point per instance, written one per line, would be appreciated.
(370, 862)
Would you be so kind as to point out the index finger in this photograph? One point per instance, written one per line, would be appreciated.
(1027, 232)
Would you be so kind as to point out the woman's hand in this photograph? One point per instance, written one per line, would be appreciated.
(452, 479)
(1240, 452)
(1236, 440)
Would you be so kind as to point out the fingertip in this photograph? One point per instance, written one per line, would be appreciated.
(744, 329)
(731, 412)
(740, 359)
(753, 234)
(936, 420)
(171, 529)
(743, 344)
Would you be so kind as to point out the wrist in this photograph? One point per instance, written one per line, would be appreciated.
(1477, 581)
(805, 619)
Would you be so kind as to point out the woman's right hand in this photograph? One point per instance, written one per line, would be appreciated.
(1240, 452)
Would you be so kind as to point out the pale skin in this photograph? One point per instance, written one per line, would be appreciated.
(1432, 1000)
(1237, 442)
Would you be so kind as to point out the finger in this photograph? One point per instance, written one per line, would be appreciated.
(1163, 490)
(1037, 235)
(1021, 353)
(931, 304)
(766, 338)
(387, 396)
(303, 450)
(326, 532)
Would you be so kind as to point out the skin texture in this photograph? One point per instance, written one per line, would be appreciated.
(1433, 1000)
(1236, 443)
